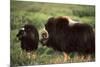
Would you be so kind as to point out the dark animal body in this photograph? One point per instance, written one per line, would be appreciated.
(67, 37)
(29, 37)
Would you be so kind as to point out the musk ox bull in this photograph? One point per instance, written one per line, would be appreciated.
(66, 35)
(28, 35)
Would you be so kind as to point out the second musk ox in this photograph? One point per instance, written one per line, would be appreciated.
(28, 35)
(65, 35)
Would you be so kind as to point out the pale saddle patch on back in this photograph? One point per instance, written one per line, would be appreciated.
(71, 22)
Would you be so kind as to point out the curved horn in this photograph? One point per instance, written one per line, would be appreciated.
(45, 33)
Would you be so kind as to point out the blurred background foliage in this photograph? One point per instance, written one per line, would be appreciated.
(40, 12)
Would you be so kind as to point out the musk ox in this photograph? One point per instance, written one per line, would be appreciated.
(66, 35)
(28, 35)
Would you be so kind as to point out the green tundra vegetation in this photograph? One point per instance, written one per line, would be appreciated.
(38, 13)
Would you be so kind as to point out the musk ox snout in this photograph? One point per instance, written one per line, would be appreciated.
(21, 33)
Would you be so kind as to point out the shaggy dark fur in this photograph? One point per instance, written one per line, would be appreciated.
(77, 37)
(29, 37)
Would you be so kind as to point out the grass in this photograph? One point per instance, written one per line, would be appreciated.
(38, 13)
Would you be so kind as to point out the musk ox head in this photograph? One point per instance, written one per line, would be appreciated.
(26, 30)
(50, 27)
(28, 35)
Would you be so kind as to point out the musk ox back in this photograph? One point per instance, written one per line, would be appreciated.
(67, 36)
(28, 35)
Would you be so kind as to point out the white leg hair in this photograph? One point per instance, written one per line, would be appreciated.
(66, 57)
(28, 55)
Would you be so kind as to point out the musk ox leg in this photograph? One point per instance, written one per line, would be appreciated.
(88, 57)
(33, 54)
(66, 57)
(85, 57)
(80, 57)
(29, 55)
(21, 53)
